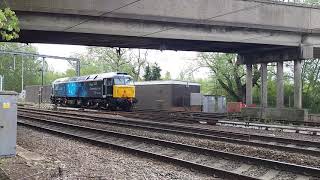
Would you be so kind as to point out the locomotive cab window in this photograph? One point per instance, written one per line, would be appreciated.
(109, 82)
(123, 81)
(109, 87)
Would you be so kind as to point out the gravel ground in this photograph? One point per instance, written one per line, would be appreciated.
(256, 171)
(85, 161)
(20, 168)
(295, 158)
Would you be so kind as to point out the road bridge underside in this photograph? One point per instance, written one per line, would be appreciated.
(105, 40)
(254, 44)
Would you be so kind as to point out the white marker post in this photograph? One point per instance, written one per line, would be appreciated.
(1, 83)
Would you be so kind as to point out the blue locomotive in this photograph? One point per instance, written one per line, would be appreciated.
(108, 91)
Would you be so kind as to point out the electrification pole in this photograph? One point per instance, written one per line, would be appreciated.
(1, 83)
(22, 74)
(42, 76)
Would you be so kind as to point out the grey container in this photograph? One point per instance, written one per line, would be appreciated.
(8, 123)
(214, 104)
(164, 95)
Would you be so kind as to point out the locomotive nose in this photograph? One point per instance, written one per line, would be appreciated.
(123, 91)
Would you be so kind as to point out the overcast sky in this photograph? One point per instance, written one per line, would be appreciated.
(172, 61)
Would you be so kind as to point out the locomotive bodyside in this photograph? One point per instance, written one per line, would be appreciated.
(109, 91)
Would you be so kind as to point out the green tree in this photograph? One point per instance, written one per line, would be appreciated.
(11, 67)
(138, 61)
(156, 72)
(167, 76)
(50, 76)
(186, 73)
(101, 60)
(152, 72)
(314, 2)
(147, 73)
(109, 59)
(228, 73)
(9, 24)
(210, 86)
(311, 84)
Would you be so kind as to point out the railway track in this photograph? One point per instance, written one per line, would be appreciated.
(224, 120)
(217, 163)
(211, 118)
(275, 127)
(204, 115)
(274, 143)
(3, 175)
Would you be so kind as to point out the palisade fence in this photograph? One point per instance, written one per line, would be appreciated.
(297, 2)
(290, 1)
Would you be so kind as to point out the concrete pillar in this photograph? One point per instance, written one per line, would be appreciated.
(264, 85)
(280, 88)
(249, 84)
(297, 84)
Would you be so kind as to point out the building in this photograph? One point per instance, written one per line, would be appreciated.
(165, 95)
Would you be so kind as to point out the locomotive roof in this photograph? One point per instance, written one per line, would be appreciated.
(91, 77)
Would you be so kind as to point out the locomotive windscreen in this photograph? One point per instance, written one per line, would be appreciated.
(123, 81)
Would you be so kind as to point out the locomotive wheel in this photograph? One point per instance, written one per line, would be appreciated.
(127, 108)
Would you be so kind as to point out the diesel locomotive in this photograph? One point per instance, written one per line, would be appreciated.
(112, 91)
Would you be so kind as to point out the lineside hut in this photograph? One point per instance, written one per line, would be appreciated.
(165, 95)
(32, 93)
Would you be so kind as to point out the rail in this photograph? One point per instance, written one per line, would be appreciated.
(299, 146)
(185, 155)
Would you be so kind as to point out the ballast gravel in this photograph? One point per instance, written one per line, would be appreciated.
(80, 160)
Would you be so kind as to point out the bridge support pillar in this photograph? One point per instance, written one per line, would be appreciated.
(264, 85)
(249, 84)
(297, 84)
(280, 92)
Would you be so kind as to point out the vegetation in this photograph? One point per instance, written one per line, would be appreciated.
(9, 24)
(152, 72)
(11, 67)
(228, 74)
(314, 2)
(167, 76)
(228, 78)
(95, 60)
(100, 60)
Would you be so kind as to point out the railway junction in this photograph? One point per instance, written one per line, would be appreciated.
(83, 143)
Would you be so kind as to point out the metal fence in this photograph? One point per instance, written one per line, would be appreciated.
(290, 1)
(298, 2)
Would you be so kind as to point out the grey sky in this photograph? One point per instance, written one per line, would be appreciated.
(172, 61)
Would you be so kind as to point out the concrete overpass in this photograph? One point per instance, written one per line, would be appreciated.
(260, 31)
(254, 28)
